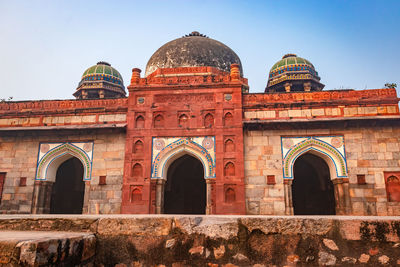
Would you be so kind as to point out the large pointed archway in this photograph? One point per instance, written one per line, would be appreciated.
(68, 190)
(61, 173)
(185, 188)
(166, 158)
(325, 154)
(312, 187)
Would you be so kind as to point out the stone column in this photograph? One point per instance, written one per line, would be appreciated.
(287, 87)
(342, 196)
(101, 94)
(84, 94)
(339, 196)
(160, 196)
(347, 201)
(210, 196)
(307, 86)
(287, 183)
(42, 197)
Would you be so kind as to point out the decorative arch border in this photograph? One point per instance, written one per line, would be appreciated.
(49, 152)
(178, 146)
(293, 147)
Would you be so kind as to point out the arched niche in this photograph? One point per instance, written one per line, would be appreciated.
(138, 147)
(137, 170)
(209, 120)
(230, 195)
(183, 120)
(228, 119)
(229, 146)
(158, 121)
(139, 122)
(229, 169)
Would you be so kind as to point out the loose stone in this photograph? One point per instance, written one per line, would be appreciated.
(364, 258)
(349, 260)
(292, 258)
(326, 259)
(219, 252)
(170, 243)
(330, 244)
(240, 257)
(196, 250)
(383, 259)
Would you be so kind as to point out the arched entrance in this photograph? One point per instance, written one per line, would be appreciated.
(312, 187)
(185, 188)
(68, 190)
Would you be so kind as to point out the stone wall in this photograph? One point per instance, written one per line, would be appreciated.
(18, 159)
(370, 151)
(227, 241)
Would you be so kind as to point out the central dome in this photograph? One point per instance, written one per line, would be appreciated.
(193, 50)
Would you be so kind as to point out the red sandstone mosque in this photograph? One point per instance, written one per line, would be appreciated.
(187, 137)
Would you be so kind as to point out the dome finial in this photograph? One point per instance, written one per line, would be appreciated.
(195, 33)
(103, 63)
(289, 55)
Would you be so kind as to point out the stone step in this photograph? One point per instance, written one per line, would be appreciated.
(41, 248)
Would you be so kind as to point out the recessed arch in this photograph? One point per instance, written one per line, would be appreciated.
(49, 163)
(68, 190)
(183, 120)
(229, 169)
(136, 195)
(334, 159)
(139, 123)
(208, 120)
(229, 146)
(228, 119)
(185, 187)
(137, 170)
(158, 121)
(313, 192)
(138, 147)
(230, 195)
(177, 149)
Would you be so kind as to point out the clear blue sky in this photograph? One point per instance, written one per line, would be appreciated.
(45, 46)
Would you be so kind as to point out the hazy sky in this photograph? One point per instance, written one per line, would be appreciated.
(45, 46)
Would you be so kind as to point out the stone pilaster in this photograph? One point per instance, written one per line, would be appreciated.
(288, 196)
(210, 197)
(160, 196)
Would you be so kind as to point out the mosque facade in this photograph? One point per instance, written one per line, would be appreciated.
(187, 137)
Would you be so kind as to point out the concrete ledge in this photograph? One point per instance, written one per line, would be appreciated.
(182, 240)
(35, 248)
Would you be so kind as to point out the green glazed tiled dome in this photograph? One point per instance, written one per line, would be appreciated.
(291, 59)
(100, 81)
(296, 72)
(103, 68)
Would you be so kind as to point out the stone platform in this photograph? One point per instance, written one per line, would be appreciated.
(175, 240)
